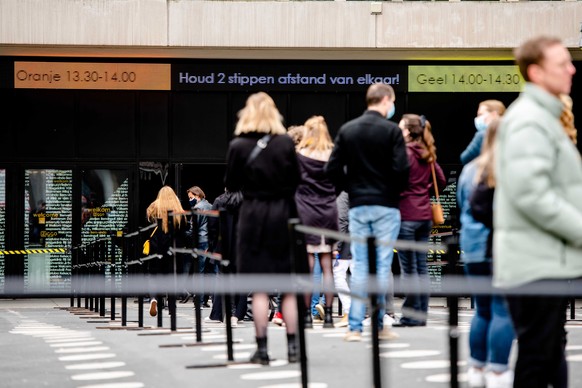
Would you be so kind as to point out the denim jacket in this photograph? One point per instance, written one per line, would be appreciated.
(473, 239)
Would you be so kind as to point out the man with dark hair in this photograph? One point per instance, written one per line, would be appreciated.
(538, 212)
(369, 162)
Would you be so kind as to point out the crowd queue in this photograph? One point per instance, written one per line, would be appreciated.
(521, 178)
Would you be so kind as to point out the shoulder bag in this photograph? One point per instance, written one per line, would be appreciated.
(147, 244)
(436, 207)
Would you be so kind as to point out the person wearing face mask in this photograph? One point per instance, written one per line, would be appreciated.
(488, 111)
(197, 200)
(416, 214)
(369, 162)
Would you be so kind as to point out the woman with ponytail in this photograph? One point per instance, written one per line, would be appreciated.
(416, 215)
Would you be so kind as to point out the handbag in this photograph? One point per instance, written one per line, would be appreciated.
(437, 209)
(147, 244)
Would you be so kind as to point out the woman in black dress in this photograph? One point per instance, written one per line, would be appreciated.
(268, 183)
(316, 204)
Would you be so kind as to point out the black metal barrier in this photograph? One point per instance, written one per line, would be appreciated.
(89, 264)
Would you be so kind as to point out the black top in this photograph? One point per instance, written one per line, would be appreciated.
(369, 161)
(268, 185)
(315, 198)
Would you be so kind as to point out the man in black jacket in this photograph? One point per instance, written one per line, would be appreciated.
(369, 162)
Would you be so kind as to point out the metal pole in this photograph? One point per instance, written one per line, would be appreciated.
(377, 376)
(298, 257)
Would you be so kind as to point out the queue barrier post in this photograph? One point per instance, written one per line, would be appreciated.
(298, 257)
(453, 304)
(372, 269)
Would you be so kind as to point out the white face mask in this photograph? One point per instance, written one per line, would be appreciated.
(480, 123)
(391, 111)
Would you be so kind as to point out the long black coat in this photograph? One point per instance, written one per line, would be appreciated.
(268, 185)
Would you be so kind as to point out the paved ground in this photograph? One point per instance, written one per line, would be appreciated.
(45, 343)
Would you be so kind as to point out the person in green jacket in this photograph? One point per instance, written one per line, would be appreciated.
(538, 212)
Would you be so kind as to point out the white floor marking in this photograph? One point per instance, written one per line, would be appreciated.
(102, 375)
(410, 353)
(281, 374)
(70, 341)
(115, 385)
(244, 366)
(446, 378)
(222, 348)
(236, 356)
(82, 350)
(64, 340)
(573, 347)
(72, 335)
(390, 346)
(85, 357)
(574, 358)
(430, 364)
(96, 365)
(335, 335)
(74, 344)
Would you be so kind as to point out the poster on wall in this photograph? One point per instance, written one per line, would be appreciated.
(48, 229)
(437, 258)
(104, 207)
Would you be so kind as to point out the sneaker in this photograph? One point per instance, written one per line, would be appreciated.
(153, 307)
(367, 322)
(499, 380)
(320, 312)
(233, 321)
(389, 320)
(278, 319)
(476, 377)
(343, 322)
(386, 334)
(208, 320)
(353, 336)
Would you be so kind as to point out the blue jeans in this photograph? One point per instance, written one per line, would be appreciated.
(316, 296)
(383, 223)
(206, 267)
(414, 270)
(492, 331)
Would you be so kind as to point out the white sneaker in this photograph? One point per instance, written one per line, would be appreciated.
(343, 322)
(499, 380)
(233, 321)
(476, 377)
(367, 322)
(388, 320)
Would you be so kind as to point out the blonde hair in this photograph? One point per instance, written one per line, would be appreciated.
(567, 118)
(260, 115)
(297, 133)
(486, 160)
(167, 200)
(420, 131)
(494, 106)
(317, 136)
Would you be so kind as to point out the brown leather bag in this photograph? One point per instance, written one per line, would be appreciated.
(438, 217)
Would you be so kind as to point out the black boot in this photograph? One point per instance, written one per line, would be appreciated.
(292, 349)
(328, 320)
(261, 356)
(308, 319)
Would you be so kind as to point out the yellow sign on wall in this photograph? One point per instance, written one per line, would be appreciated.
(464, 79)
(80, 75)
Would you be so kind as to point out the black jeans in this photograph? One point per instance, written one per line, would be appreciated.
(539, 325)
